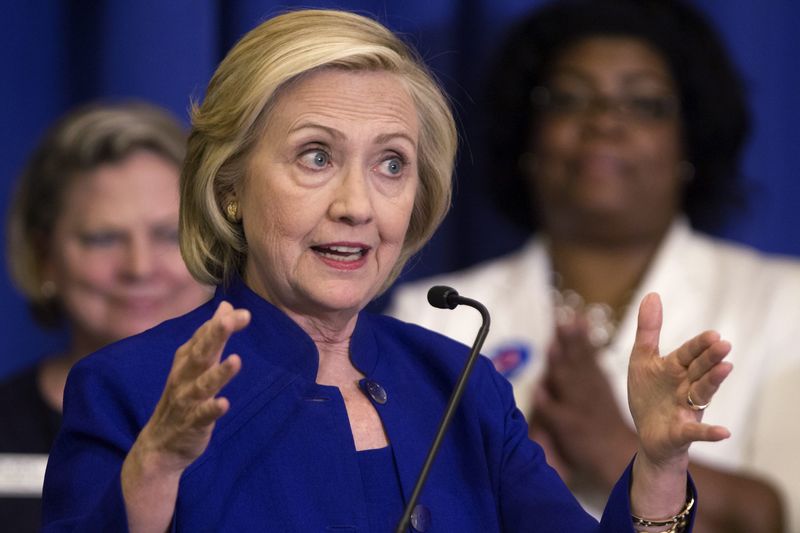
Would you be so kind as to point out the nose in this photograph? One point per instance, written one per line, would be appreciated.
(352, 203)
(141, 259)
(604, 116)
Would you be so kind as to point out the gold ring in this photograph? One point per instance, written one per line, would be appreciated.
(694, 406)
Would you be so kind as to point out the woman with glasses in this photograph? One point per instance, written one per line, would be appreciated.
(614, 135)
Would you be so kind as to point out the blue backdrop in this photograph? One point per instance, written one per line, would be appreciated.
(60, 53)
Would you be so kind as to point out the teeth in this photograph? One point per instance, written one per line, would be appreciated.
(345, 249)
(341, 253)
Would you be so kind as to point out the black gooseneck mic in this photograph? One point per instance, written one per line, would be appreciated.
(447, 298)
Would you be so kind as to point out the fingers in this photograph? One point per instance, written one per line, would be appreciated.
(707, 358)
(648, 327)
(215, 378)
(706, 369)
(572, 340)
(210, 410)
(694, 347)
(704, 388)
(696, 431)
(206, 345)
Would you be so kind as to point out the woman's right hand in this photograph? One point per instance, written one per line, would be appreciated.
(180, 428)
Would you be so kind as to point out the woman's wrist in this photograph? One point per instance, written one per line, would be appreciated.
(673, 524)
(658, 491)
(150, 491)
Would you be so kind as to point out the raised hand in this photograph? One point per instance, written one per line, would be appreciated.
(184, 417)
(180, 428)
(659, 388)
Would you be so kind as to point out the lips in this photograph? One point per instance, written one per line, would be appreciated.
(343, 253)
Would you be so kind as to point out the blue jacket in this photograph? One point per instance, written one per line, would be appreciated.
(283, 457)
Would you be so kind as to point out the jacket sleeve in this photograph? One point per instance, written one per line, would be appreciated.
(534, 498)
(532, 495)
(82, 490)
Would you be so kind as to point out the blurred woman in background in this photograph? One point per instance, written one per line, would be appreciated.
(92, 244)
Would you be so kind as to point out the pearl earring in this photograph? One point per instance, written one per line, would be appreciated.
(48, 289)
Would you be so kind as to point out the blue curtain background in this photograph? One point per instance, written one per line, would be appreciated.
(60, 53)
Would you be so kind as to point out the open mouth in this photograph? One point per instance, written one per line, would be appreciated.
(341, 253)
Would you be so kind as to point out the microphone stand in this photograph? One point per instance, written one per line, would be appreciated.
(451, 300)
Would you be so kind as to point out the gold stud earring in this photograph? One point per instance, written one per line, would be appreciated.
(232, 211)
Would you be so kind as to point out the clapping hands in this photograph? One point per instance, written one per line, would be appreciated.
(577, 419)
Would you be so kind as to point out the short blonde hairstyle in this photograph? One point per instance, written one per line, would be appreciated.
(237, 103)
(81, 141)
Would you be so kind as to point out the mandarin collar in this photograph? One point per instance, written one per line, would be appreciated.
(281, 341)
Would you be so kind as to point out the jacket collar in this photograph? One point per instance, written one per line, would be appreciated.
(282, 342)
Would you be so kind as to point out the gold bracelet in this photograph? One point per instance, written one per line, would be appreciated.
(677, 521)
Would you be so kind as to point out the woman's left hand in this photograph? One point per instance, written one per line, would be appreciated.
(659, 388)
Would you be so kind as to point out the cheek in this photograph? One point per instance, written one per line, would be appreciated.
(77, 267)
(394, 219)
(173, 265)
(280, 230)
(554, 137)
(661, 154)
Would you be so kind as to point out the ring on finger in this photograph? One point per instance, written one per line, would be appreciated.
(694, 406)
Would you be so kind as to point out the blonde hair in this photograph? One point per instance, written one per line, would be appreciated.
(81, 141)
(237, 104)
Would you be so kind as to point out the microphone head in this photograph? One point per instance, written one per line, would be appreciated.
(443, 297)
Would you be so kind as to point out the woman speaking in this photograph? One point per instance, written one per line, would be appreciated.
(319, 161)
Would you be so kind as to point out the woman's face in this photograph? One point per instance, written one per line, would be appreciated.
(114, 253)
(608, 149)
(329, 191)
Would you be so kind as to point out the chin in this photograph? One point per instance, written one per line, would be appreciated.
(345, 298)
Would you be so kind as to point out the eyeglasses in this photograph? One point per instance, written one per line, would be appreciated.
(638, 108)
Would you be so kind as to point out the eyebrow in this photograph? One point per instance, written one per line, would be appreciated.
(386, 137)
(380, 139)
(627, 77)
(310, 125)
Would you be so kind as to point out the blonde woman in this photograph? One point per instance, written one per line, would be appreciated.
(318, 163)
(93, 247)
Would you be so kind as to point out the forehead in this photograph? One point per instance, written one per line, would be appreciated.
(621, 58)
(346, 99)
(143, 183)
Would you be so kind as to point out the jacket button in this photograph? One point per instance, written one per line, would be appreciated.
(375, 391)
(421, 518)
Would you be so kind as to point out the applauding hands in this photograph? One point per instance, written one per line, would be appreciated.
(578, 421)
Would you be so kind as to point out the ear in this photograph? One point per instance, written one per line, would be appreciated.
(44, 266)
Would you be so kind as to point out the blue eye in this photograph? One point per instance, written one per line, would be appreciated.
(315, 159)
(392, 166)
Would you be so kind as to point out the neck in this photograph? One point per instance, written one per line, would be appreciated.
(332, 339)
(52, 373)
(51, 377)
(602, 273)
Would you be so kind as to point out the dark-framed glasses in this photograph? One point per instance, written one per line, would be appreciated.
(641, 108)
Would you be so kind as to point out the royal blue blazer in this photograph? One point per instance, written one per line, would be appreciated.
(283, 457)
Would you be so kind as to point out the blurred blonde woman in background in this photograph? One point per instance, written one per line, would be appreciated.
(93, 246)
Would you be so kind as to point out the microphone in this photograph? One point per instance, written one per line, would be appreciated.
(444, 297)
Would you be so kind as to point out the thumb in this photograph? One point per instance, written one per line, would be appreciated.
(648, 327)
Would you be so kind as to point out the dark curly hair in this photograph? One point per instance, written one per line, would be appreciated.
(714, 113)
